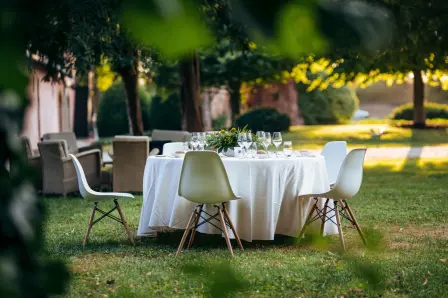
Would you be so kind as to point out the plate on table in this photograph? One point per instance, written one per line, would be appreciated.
(179, 154)
(305, 153)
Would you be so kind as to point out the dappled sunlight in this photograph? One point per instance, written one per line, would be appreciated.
(425, 166)
(360, 135)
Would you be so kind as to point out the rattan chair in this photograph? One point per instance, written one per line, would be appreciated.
(59, 174)
(34, 161)
(129, 160)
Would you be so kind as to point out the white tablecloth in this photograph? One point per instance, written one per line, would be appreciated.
(268, 187)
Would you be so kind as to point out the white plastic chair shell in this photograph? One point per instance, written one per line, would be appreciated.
(87, 192)
(334, 154)
(204, 179)
(349, 179)
(170, 148)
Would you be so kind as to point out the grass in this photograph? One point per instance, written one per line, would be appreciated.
(359, 135)
(403, 200)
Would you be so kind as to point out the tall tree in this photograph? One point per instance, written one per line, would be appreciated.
(81, 34)
(419, 46)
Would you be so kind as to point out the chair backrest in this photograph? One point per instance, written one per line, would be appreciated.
(350, 176)
(69, 137)
(334, 153)
(53, 151)
(130, 153)
(84, 188)
(26, 146)
(204, 179)
(170, 135)
(170, 148)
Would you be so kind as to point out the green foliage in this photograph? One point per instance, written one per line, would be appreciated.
(330, 106)
(432, 111)
(165, 113)
(264, 119)
(224, 139)
(112, 113)
(220, 122)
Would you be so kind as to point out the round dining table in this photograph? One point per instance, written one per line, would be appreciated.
(269, 191)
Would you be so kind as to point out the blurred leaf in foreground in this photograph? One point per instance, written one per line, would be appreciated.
(174, 27)
(220, 279)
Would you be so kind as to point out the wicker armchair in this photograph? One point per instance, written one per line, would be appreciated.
(59, 174)
(129, 156)
(33, 160)
(70, 138)
(170, 135)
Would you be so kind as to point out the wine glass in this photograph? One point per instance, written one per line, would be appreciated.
(194, 140)
(277, 140)
(242, 140)
(267, 140)
(287, 148)
(201, 140)
(186, 146)
(252, 150)
(271, 150)
(249, 138)
(260, 137)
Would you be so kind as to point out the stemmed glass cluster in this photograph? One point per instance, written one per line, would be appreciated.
(245, 141)
(266, 139)
(198, 140)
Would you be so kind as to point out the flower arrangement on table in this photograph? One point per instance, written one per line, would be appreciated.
(226, 140)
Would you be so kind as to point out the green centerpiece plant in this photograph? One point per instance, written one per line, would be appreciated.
(225, 140)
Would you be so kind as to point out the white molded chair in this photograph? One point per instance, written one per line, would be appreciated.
(89, 194)
(204, 180)
(170, 148)
(347, 185)
(334, 153)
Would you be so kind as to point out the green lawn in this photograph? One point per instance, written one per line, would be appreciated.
(405, 201)
(359, 135)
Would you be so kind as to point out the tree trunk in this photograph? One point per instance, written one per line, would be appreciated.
(81, 127)
(419, 100)
(190, 95)
(235, 99)
(129, 75)
(206, 110)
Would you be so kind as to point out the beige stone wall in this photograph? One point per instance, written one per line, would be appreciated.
(50, 109)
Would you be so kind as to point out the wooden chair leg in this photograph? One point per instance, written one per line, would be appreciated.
(307, 220)
(338, 222)
(125, 223)
(324, 217)
(238, 240)
(92, 216)
(224, 228)
(355, 222)
(187, 230)
(193, 232)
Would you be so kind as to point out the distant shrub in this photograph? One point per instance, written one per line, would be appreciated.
(112, 117)
(329, 106)
(265, 119)
(220, 122)
(432, 111)
(165, 113)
